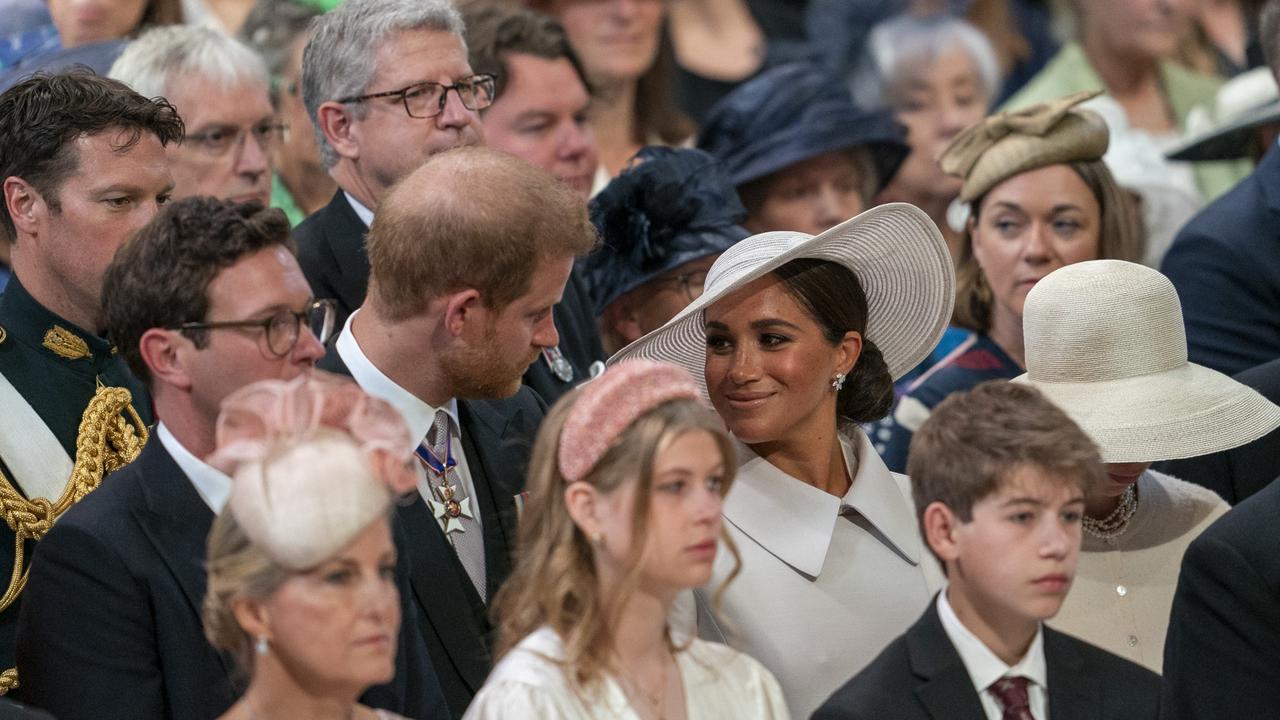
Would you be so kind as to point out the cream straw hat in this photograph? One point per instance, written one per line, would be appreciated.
(1104, 341)
(897, 254)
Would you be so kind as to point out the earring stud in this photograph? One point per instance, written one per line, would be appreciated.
(260, 645)
(838, 382)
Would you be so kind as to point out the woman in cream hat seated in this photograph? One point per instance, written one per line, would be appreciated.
(1038, 197)
(1105, 342)
(302, 590)
(626, 484)
(796, 339)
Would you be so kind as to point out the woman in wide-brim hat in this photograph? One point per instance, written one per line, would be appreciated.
(801, 154)
(1105, 342)
(795, 340)
(1038, 197)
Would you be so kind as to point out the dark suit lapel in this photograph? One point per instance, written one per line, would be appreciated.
(497, 464)
(945, 688)
(445, 594)
(1074, 690)
(345, 233)
(176, 521)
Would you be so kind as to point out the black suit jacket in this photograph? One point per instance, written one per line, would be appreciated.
(111, 627)
(331, 253)
(1222, 653)
(1225, 264)
(920, 676)
(497, 436)
(1237, 473)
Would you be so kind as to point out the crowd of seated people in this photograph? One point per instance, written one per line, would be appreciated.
(639, 359)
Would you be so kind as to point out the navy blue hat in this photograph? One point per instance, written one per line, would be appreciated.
(670, 206)
(792, 113)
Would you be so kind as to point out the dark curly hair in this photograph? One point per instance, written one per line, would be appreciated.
(161, 277)
(832, 295)
(42, 115)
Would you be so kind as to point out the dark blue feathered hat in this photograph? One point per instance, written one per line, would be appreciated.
(670, 206)
(792, 113)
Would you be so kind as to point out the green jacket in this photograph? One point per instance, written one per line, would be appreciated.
(1069, 71)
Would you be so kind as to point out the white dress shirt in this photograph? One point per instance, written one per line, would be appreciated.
(362, 212)
(418, 415)
(213, 486)
(826, 582)
(985, 667)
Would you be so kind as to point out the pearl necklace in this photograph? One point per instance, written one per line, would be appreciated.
(1114, 525)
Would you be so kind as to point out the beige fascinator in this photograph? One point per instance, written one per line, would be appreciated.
(1012, 142)
(313, 461)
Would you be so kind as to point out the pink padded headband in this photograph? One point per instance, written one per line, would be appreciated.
(609, 404)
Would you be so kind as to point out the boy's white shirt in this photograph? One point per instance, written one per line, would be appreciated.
(985, 667)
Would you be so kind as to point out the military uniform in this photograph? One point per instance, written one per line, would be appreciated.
(94, 414)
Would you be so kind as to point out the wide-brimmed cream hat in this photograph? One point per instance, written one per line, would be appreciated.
(897, 254)
(1104, 341)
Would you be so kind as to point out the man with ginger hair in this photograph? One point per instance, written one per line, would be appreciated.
(461, 291)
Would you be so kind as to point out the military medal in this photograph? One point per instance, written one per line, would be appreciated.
(446, 505)
(558, 364)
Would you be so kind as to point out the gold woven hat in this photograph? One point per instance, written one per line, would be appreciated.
(1013, 142)
(1105, 342)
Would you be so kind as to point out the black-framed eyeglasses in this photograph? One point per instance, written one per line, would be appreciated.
(219, 140)
(691, 283)
(283, 328)
(427, 99)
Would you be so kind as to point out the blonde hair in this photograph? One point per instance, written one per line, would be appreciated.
(1120, 237)
(555, 582)
(237, 569)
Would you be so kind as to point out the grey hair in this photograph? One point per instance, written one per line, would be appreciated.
(897, 44)
(272, 28)
(339, 59)
(181, 52)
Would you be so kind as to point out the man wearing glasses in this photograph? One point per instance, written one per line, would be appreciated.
(387, 85)
(219, 86)
(207, 298)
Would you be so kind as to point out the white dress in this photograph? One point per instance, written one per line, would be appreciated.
(720, 683)
(826, 582)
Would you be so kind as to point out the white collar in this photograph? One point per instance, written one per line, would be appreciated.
(983, 665)
(418, 415)
(362, 212)
(213, 486)
(795, 521)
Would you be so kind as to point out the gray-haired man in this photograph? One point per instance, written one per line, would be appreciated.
(219, 86)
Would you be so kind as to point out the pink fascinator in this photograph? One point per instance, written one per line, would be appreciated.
(607, 405)
(313, 461)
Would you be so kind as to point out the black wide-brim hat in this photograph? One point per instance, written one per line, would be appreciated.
(792, 113)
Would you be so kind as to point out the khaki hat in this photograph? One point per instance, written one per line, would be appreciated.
(1105, 342)
(1013, 142)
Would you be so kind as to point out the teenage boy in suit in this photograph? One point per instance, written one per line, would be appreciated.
(999, 477)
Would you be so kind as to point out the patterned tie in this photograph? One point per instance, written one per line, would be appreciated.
(469, 542)
(1012, 694)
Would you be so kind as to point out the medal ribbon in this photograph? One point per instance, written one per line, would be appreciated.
(433, 463)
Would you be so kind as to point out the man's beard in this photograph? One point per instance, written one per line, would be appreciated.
(479, 373)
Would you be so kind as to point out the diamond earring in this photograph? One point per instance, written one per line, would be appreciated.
(838, 382)
(260, 645)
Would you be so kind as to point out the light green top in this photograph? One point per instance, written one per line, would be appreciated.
(1069, 71)
(283, 199)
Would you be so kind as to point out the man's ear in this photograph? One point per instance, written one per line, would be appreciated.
(940, 526)
(460, 308)
(166, 353)
(335, 121)
(25, 204)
